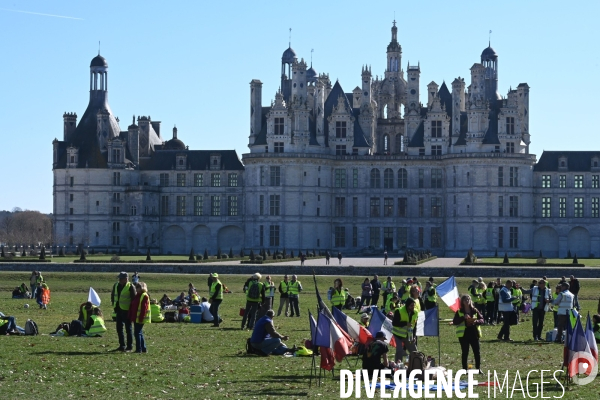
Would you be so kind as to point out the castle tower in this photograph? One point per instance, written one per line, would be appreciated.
(432, 90)
(287, 59)
(255, 109)
(523, 113)
(366, 85)
(458, 104)
(69, 125)
(489, 60)
(299, 80)
(98, 78)
(394, 54)
(133, 142)
(413, 73)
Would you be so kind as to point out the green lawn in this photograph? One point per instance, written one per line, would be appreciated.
(588, 262)
(108, 257)
(199, 361)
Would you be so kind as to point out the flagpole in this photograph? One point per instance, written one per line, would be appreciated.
(439, 342)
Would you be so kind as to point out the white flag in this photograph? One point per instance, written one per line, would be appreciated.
(93, 297)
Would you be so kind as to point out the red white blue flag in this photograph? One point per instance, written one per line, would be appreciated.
(356, 331)
(448, 292)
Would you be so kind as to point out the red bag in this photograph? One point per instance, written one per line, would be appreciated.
(242, 311)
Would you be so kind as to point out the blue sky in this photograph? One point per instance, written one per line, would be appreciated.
(190, 64)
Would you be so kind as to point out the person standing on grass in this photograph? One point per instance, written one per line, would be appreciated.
(376, 287)
(403, 324)
(389, 288)
(430, 295)
(255, 296)
(564, 301)
(574, 288)
(365, 295)
(139, 314)
(122, 294)
(505, 306)
(339, 295)
(215, 298)
(490, 304)
(269, 297)
(284, 296)
(540, 297)
(33, 283)
(294, 289)
(467, 321)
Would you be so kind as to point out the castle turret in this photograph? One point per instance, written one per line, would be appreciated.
(394, 54)
(413, 72)
(458, 104)
(299, 80)
(69, 125)
(133, 142)
(432, 90)
(255, 109)
(366, 85)
(287, 59)
(98, 78)
(489, 60)
(523, 113)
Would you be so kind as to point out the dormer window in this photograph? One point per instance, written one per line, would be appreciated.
(116, 156)
(510, 125)
(436, 129)
(340, 129)
(181, 162)
(72, 157)
(279, 125)
(215, 161)
(563, 163)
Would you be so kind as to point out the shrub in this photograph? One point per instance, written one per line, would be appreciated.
(242, 255)
(115, 258)
(279, 257)
(192, 257)
(252, 256)
(230, 252)
(258, 258)
(224, 256)
(541, 261)
(292, 254)
(575, 259)
(505, 261)
(148, 258)
(205, 254)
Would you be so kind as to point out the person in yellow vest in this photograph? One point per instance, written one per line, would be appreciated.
(557, 291)
(430, 295)
(388, 288)
(405, 290)
(122, 294)
(338, 296)
(490, 304)
(596, 328)
(294, 289)
(85, 311)
(96, 325)
(403, 325)
(364, 320)
(467, 321)
(415, 294)
(155, 314)
(255, 296)
(284, 296)
(518, 294)
(215, 298)
(139, 313)
(391, 303)
(480, 301)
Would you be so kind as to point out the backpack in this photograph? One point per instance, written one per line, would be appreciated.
(416, 361)
(31, 328)
(254, 291)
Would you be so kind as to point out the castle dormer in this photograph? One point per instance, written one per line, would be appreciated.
(215, 161)
(72, 157)
(116, 153)
(595, 164)
(563, 163)
(341, 127)
(181, 161)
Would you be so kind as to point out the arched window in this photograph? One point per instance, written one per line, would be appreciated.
(375, 178)
(402, 179)
(388, 179)
(133, 210)
(386, 143)
(385, 111)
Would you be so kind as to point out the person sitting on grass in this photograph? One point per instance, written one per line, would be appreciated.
(156, 315)
(85, 311)
(206, 314)
(180, 300)
(165, 301)
(184, 311)
(266, 339)
(375, 358)
(95, 326)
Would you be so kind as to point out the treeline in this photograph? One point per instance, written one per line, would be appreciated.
(27, 228)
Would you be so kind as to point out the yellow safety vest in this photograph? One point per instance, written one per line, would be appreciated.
(260, 288)
(388, 305)
(338, 297)
(98, 327)
(460, 328)
(123, 298)
(417, 306)
(431, 298)
(489, 295)
(156, 315)
(402, 331)
(481, 297)
(148, 316)
(516, 293)
(284, 287)
(213, 289)
(294, 288)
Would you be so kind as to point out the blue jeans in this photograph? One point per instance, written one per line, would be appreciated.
(214, 310)
(576, 302)
(123, 319)
(138, 332)
(271, 346)
(10, 325)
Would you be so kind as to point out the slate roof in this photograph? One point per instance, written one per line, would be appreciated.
(359, 136)
(197, 160)
(577, 161)
(419, 136)
(261, 138)
(462, 137)
(491, 135)
(445, 98)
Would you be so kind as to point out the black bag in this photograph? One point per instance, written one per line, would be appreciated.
(31, 328)
(416, 361)
(76, 328)
(254, 290)
(170, 317)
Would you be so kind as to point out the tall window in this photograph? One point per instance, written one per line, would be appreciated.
(133, 210)
(578, 207)
(198, 205)
(402, 206)
(279, 125)
(116, 178)
(232, 202)
(398, 144)
(562, 181)
(388, 178)
(355, 177)
(510, 125)
(180, 200)
(436, 207)
(510, 147)
(436, 178)
(340, 236)
(340, 207)
(180, 180)
(402, 179)
(262, 175)
(340, 129)
(273, 235)
(513, 241)
(595, 209)
(232, 179)
(278, 147)
(116, 155)
(546, 181)
(514, 176)
(436, 150)
(375, 205)
(215, 180)
(578, 181)
(354, 236)
(215, 205)
(436, 129)
(340, 178)
(421, 178)
(261, 204)
(274, 204)
(375, 179)
(436, 237)
(117, 197)
(500, 176)
(388, 207)
(116, 226)
(374, 236)
(261, 235)
(164, 205)
(355, 206)
(514, 206)
(402, 237)
(198, 180)
(421, 207)
(501, 206)
(500, 237)
(386, 143)
(275, 176)
(562, 207)
(71, 181)
(421, 236)
(595, 181)
(546, 207)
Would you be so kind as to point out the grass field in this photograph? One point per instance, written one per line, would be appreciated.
(588, 262)
(199, 361)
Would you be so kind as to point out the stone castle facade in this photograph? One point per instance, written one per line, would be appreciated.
(357, 171)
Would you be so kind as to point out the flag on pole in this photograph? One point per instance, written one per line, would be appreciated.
(93, 297)
(427, 323)
(379, 322)
(578, 348)
(327, 334)
(313, 327)
(448, 292)
(589, 335)
(356, 331)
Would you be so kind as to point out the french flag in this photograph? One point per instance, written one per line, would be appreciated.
(356, 331)
(578, 346)
(328, 335)
(379, 322)
(428, 323)
(448, 292)
(589, 335)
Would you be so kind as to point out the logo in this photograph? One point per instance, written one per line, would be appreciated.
(583, 363)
